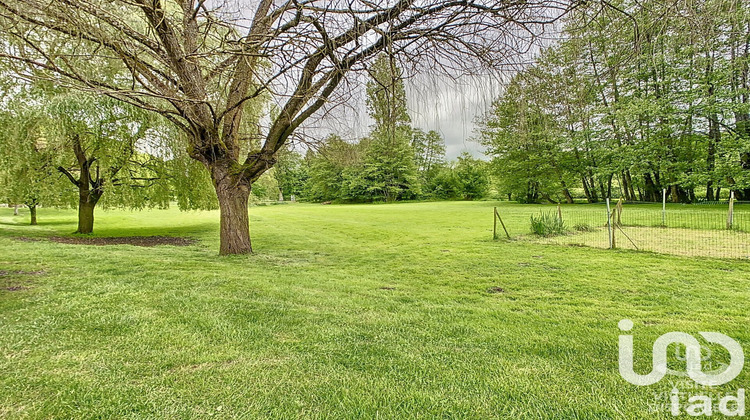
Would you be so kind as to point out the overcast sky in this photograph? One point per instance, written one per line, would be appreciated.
(435, 103)
(450, 107)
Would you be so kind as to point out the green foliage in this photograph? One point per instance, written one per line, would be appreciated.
(473, 177)
(191, 182)
(389, 169)
(291, 172)
(610, 114)
(429, 151)
(333, 170)
(28, 162)
(444, 184)
(529, 159)
(547, 224)
(465, 179)
(266, 188)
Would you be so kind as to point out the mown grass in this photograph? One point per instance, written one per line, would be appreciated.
(360, 311)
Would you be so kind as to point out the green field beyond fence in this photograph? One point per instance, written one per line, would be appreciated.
(690, 230)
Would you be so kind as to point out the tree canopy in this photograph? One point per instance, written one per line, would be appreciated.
(636, 98)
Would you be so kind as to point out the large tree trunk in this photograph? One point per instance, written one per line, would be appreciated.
(586, 190)
(86, 204)
(32, 210)
(234, 221)
(629, 180)
(652, 190)
(566, 193)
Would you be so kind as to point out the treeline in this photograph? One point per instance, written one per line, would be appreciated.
(638, 97)
(394, 162)
(356, 172)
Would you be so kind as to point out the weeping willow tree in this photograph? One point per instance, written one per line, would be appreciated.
(58, 144)
(28, 163)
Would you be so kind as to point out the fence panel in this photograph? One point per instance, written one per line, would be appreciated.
(689, 230)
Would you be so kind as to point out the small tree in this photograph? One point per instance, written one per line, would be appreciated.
(390, 170)
(429, 151)
(106, 145)
(473, 177)
(28, 174)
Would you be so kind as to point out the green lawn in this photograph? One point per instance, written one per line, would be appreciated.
(359, 311)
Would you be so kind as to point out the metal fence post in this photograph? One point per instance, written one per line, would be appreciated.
(730, 216)
(664, 207)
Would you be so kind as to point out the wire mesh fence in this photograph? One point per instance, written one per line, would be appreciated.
(716, 230)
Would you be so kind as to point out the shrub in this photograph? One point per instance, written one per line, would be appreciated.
(547, 224)
(583, 227)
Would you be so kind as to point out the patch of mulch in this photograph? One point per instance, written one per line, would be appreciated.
(496, 289)
(125, 240)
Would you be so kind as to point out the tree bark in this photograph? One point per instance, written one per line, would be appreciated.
(566, 193)
(629, 180)
(714, 138)
(586, 190)
(86, 204)
(32, 210)
(234, 221)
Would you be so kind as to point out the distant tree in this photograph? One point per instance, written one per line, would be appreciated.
(389, 167)
(291, 172)
(28, 163)
(528, 156)
(331, 169)
(473, 177)
(266, 188)
(444, 184)
(429, 151)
